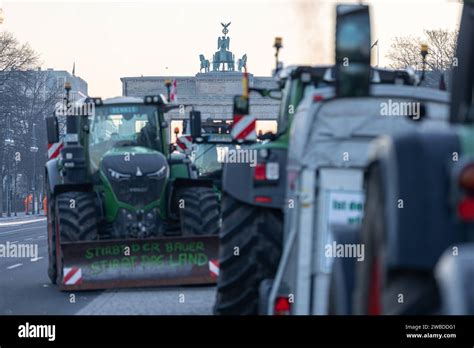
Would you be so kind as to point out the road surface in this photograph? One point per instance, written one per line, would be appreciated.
(25, 287)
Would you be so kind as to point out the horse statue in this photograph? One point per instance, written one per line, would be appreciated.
(204, 63)
(242, 62)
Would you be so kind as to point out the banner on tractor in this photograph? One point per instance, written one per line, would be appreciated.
(137, 263)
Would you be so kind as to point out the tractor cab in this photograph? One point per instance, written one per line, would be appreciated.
(294, 82)
(208, 144)
(121, 126)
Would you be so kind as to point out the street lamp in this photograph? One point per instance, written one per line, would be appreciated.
(278, 44)
(34, 150)
(424, 53)
(9, 143)
(168, 89)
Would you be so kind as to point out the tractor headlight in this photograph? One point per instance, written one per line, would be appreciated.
(159, 174)
(119, 176)
(148, 99)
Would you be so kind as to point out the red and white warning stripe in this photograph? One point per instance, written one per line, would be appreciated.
(174, 92)
(243, 127)
(54, 149)
(72, 276)
(214, 268)
(185, 143)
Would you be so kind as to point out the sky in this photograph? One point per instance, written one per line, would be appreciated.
(109, 39)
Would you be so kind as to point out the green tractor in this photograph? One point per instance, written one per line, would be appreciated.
(253, 199)
(208, 147)
(122, 210)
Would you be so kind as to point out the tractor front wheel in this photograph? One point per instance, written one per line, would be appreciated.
(77, 216)
(199, 211)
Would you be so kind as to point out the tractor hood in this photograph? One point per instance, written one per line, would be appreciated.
(123, 150)
(137, 175)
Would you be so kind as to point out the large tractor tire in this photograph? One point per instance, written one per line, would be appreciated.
(393, 292)
(250, 251)
(199, 213)
(76, 214)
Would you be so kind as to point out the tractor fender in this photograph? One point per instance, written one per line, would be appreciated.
(56, 184)
(52, 174)
(415, 175)
(238, 181)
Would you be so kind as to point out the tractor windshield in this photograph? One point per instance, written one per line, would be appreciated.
(120, 126)
(209, 158)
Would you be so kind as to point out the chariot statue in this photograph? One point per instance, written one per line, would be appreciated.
(223, 59)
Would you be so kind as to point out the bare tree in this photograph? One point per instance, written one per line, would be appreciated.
(14, 56)
(405, 51)
(27, 95)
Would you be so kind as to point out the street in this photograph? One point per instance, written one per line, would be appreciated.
(26, 290)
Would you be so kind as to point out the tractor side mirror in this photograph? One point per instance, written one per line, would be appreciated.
(195, 117)
(52, 129)
(352, 51)
(276, 94)
(241, 105)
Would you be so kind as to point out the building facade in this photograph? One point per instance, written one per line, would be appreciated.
(57, 78)
(211, 93)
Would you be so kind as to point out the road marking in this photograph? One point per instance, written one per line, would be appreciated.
(29, 239)
(15, 266)
(38, 258)
(15, 241)
(15, 223)
(20, 229)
